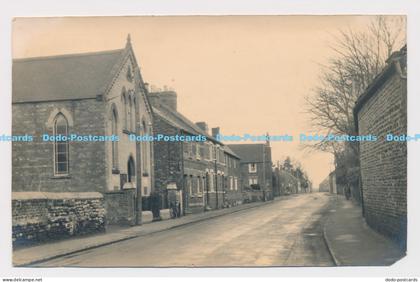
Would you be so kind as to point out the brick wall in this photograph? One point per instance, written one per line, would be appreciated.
(233, 196)
(384, 164)
(167, 159)
(38, 216)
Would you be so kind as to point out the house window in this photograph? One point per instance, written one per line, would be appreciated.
(114, 143)
(231, 182)
(211, 181)
(253, 180)
(252, 167)
(198, 185)
(185, 146)
(209, 151)
(214, 152)
(190, 185)
(197, 151)
(61, 148)
(193, 149)
(236, 183)
(131, 170)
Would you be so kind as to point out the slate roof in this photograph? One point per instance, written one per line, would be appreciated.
(64, 77)
(230, 152)
(178, 120)
(249, 153)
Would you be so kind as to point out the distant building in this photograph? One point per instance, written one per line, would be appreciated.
(284, 183)
(256, 169)
(324, 186)
(333, 182)
(382, 110)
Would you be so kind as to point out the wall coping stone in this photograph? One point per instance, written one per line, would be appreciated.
(36, 195)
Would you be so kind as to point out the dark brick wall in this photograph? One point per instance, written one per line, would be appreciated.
(33, 162)
(173, 166)
(38, 216)
(384, 164)
(167, 159)
(233, 196)
(264, 174)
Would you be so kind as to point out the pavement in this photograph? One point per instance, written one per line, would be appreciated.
(285, 232)
(352, 242)
(315, 229)
(39, 253)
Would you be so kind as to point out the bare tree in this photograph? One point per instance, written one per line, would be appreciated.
(358, 57)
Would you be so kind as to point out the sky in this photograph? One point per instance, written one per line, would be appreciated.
(245, 74)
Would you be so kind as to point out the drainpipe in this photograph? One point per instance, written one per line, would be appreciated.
(182, 176)
(215, 173)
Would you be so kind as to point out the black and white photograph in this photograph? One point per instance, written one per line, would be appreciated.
(267, 143)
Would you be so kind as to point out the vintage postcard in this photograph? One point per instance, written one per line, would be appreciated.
(209, 141)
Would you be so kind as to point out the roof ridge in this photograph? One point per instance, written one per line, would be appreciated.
(65, 56)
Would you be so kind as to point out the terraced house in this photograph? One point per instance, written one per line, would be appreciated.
(256, 170)
(90, 94)
(197, 175)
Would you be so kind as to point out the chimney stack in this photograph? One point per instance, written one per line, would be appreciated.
(215, 131)
(164, 98)
(203, 126)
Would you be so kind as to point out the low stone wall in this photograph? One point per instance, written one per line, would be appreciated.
(120, 207)
(250, 196)
(37, 216)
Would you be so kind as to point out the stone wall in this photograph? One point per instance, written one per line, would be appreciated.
(38, 216)
(384, 164)
(120, 207)
(33, 162)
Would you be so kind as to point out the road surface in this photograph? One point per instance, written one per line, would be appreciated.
(285, 232)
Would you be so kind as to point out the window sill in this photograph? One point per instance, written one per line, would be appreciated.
(128, 132)
(115, 171)
(66, 176)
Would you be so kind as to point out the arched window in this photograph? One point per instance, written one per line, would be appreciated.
(61, 148)
(133, 113)
(130, 116)
(144, 150)
(114, 131)
(124, 101)
(131, 169)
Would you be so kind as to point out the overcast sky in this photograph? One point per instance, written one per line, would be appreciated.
(244, 74)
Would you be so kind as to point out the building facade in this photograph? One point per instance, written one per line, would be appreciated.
(256, 170)
(380, 111)
(97, 100)
(194, 174)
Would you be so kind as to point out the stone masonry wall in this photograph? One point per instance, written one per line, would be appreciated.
(33, 162)
(120, 207)
(384, 164)
(38, 216)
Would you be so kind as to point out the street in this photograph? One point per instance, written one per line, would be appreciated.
(286, 232)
